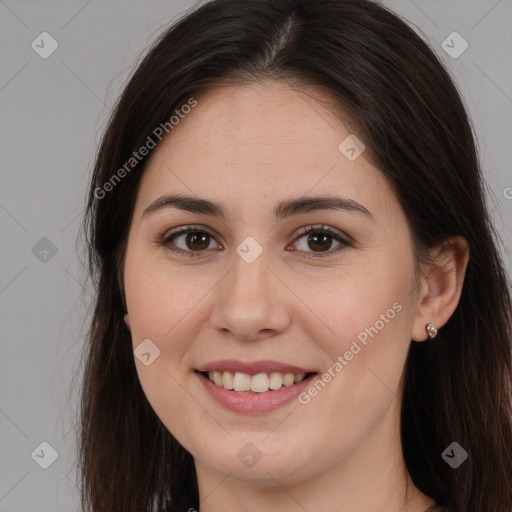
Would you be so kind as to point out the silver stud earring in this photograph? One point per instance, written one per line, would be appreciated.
(431, 331)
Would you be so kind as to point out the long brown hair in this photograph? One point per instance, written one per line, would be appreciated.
(412, 120)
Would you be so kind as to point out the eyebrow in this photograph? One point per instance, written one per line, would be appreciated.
(284, 209)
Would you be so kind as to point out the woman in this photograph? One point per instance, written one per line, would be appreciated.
(300, 301)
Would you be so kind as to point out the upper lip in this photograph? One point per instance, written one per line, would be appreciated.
(252, 367)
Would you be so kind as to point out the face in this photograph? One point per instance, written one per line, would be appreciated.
(278, 284)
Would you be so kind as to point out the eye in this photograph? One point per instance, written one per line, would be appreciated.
(197, 240)
(320, 240)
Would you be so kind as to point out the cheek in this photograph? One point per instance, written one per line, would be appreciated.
(158, 297)
(161, 308)
(359, 302)
(366, 338)
(366, 325)
(156, 303)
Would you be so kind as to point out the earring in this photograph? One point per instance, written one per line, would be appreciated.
(431, 331)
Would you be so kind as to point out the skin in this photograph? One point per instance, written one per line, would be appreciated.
(249, 147)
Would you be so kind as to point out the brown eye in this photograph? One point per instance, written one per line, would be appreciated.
(320, 241)
(197, 240)
(194, 241)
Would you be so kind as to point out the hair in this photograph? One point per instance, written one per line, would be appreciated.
(410, 115)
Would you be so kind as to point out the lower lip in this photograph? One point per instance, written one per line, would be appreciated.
(254, 403)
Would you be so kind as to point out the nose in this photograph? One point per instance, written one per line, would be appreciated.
(251, 302)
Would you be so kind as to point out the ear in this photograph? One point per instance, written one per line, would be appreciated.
(441, 286)
(127, 321)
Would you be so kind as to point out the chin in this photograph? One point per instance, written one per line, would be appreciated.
(252, 459)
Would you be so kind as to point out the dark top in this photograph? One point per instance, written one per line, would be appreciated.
(436, 508)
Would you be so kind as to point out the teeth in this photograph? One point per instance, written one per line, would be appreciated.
(276, 380)
(242, 382)
(227, 380)
(288, 379)
(259, 383)
(217, 378)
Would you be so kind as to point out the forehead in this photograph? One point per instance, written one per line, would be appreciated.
(266, 138)
(277, 121)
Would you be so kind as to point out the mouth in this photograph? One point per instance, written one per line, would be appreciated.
(241, 382)
(253, 388)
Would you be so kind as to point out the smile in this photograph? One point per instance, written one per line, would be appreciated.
(254, 387)
(259, 383)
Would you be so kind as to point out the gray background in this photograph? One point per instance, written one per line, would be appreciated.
(53, 111)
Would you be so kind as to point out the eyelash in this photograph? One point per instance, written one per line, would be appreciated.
(169, 237)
